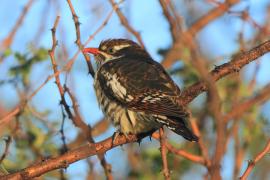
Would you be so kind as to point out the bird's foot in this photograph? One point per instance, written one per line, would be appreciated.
(115, 135)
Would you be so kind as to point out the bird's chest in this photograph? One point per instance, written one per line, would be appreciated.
(128, 121)
(111, 109)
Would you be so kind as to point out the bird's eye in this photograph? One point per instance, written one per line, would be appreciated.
(111, 50)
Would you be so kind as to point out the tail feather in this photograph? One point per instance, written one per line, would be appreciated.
(179, 126)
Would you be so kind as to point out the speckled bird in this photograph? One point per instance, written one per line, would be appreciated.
(135, 92)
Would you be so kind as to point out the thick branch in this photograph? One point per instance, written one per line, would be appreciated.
(70, 157)
(225, 69)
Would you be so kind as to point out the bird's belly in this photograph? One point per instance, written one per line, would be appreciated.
(127, 121)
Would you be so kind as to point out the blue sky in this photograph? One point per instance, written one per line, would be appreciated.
(218, 39)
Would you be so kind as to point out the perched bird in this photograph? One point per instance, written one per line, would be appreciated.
(135, 92)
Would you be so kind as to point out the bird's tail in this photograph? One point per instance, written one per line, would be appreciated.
(179, 126)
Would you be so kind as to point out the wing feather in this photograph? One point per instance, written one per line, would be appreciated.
(141, 86)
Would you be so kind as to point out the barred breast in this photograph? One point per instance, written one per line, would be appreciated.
(127, 121)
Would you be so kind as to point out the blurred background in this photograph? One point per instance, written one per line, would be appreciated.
(38, 130)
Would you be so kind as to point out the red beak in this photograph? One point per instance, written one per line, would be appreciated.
(93, 51)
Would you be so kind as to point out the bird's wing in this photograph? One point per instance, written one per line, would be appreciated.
(140, 86)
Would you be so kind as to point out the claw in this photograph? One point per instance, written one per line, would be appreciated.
(115, 135)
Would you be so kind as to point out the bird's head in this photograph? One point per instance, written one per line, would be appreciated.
(115, 49)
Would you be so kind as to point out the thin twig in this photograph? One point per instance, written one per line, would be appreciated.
(90, 38)
(4, 155)
(86, 128)
(187, 155)
(192, 157)
(171, 20)
(175, 52)
(64, 148)
(252, 163)
(78, 37)
(126, 24)
(59, 86)
(9, 39)
(163, 150)
(201, 143)
(260, 97)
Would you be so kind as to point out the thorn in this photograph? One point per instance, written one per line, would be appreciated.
(236, 69)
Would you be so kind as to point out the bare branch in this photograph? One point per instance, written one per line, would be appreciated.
(9, 39)
(225, 69)
(125, 23)
(211, 16)
(86, 128)
(180, 152)
(201, 143)
(78, 35)
(171, 20)
(252, 163)
(175, 52)
(163, 150)
(70, 157)
(90, 38)
(237, 110)
(189, 156)
(8, 141)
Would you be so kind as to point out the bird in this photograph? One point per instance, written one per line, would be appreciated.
(135, 92)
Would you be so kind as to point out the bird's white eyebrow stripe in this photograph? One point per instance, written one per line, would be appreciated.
(118, 47)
